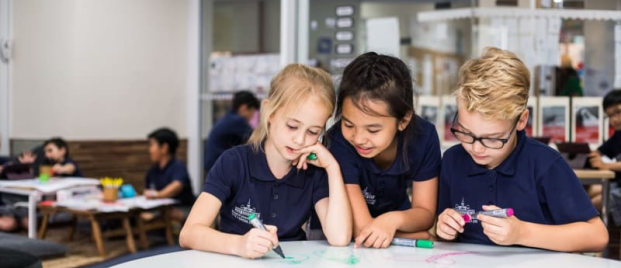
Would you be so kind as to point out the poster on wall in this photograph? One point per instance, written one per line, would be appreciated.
(447, 113)
(428, 108)
(531, 126)
(587, 115)
(554, 118)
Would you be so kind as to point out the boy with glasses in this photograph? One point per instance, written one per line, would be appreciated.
(612, 149)
(497, 166)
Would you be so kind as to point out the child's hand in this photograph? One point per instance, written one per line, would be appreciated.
(57, 169)
(449, 224)
(150, 194)
(596, 160)
(256, 242)
(324, 157)
(27, 157)
(377, 234)
(502, 231)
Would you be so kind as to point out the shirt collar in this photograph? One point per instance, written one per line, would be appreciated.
(260, 170)
(508, 166)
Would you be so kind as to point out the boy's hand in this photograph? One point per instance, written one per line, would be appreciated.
(449, 224)
(150, 194)
(57, 169)
(595, 158)
(27, 157)
(256, 242)
(377, 234)
(502, 231)
(324, 157)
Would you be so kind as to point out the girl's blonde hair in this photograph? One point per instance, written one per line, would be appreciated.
(293, 85)
(495, 85)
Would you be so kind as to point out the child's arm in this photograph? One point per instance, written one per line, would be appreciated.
(171, 190)
(589, 236)
(333, 212)
(381, 230)
(68, 168)
(596, 161)
(198, 234)
(424, 198)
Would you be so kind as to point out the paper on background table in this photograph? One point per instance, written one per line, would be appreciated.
(122, 205)
(53, 185)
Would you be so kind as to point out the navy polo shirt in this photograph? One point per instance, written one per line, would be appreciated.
(534, 180)
(612, 149)
(76, 173)
(174, 170)
(231, 130)
(243, 182)
(386, 190)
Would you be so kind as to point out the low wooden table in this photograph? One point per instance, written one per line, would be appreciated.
(95, 216)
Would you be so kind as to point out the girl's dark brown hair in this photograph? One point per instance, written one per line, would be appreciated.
(374, 77)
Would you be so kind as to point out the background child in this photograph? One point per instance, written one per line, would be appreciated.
(168, 177)
(383, 148)
(231, 130)
(57, 154)
(497, 166)
(260, 177)
(612, 149)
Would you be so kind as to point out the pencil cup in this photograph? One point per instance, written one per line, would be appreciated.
(110, 194)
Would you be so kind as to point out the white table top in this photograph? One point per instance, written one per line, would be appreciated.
(319, 254)
(52, 186)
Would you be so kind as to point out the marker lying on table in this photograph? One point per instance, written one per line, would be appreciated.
(498, 213)
(256, 222)
(419, 243)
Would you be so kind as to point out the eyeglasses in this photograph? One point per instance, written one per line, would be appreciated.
(616, 113)
(492, 143)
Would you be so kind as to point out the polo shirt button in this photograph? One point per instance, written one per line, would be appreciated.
(491, 188)
(273, 215)
(381, 184)
(275, 196)
(493, 174)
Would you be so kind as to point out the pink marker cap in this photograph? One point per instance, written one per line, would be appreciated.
(509, 212)
(467, 217)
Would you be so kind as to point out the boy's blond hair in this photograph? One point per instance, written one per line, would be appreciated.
(495, 85)
(292, 86)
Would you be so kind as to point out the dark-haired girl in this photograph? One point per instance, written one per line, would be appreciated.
(383, 148)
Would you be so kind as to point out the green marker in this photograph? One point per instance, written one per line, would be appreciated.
(418, 243)
(312, 156)
(256, 222)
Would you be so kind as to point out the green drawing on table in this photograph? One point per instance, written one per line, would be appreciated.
(294, 260)
(349, 259)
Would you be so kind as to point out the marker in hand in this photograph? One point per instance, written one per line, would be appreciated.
(497, 213)
(256, 222)
(418, 243)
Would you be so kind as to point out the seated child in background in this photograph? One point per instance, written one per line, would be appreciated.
(612, 149)
(497, 166)
(8, 222)
(57, 154)
(272, 177)
(168, 177)
(231, 130)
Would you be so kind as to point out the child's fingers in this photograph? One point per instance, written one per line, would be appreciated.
(491, 220)
(370, 241)
(362, 237)
(490, 207)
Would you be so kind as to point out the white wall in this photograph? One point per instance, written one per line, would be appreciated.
(89, 69)
(5, 34)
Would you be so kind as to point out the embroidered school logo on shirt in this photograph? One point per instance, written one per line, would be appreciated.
(369, 197)
(242, 212)
(464, 208)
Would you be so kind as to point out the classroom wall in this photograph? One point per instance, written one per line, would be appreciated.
(599, 51)
(246, 26)
(98, 70)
